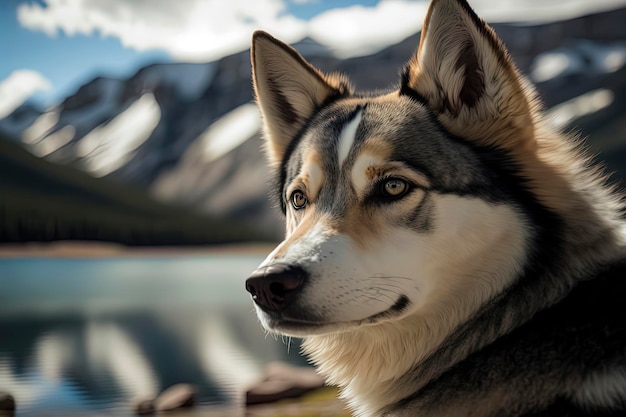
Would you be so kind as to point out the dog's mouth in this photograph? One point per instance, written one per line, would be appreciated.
(302, 325)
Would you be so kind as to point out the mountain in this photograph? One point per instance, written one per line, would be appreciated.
(42, 201)
(189, 133)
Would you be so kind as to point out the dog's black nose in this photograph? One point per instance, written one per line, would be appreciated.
(274, 287)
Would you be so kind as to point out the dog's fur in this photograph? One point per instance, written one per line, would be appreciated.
(447, 252)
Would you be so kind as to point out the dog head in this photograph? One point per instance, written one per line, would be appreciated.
(400, 204)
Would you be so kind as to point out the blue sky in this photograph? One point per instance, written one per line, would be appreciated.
(69, 61)
(66, 61)
(56, 46)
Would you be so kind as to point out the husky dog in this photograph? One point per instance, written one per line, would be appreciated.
(448, 253)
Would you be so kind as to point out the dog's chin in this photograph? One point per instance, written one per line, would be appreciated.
(298, 328)
(302, 326)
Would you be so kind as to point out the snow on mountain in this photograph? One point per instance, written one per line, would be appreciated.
(41, 127)
(189, 133)
(111, 145)
(93, 104)
(563, 114)
(54, 141)
(221, 137)
(230, 131)
(102, 126)
(584, 56)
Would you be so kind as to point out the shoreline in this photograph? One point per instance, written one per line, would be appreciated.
(89, 249)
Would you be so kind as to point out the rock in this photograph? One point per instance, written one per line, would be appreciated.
(7, 402)
(175, 397)
(282, 381)
(144, 407)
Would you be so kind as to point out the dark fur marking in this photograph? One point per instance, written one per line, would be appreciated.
(280, 176)
(285, 110)
(474, 85)
(487, 33)
(406, 90)
(402, 303)
(399, 306)
(420, 219)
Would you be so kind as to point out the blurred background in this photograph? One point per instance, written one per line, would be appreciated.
(131, 124)
(133, 121)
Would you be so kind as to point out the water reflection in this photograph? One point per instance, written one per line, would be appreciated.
(79, 337)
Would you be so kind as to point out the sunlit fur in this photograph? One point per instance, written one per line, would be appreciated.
(409, 303)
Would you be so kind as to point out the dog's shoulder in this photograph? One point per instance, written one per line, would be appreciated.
(568, 360)
(573, 352)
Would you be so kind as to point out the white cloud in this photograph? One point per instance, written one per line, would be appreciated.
(199, 30)
(204, 30)
(190, 30)
(19, 86)
(359, 30)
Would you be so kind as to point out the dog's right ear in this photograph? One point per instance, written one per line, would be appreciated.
(465, 74)
(288, 90)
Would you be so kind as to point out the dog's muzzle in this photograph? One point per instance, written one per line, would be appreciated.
(274, 287)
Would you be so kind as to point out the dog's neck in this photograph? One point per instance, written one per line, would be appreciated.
(367, 362)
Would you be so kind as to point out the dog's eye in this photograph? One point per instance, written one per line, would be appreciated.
(394, 188)
(298, 200)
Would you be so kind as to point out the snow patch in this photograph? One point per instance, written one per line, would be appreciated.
(552, 64)
(588, 103)
(229, 131)
(40, 127)
(584, 57)
(54, 141)
(109, 146)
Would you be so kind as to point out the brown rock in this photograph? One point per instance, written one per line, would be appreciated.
(144, 407)
(7, 402)
(281, 381)
(175, 397)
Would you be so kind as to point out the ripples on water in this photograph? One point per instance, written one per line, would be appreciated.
(88, 336)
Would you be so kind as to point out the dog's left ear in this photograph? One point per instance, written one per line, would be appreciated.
(464, 73)
(288, 90)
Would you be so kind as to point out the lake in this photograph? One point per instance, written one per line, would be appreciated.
(89, 336)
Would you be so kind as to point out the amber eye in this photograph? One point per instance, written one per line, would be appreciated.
(394, 188)
(298, 200)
